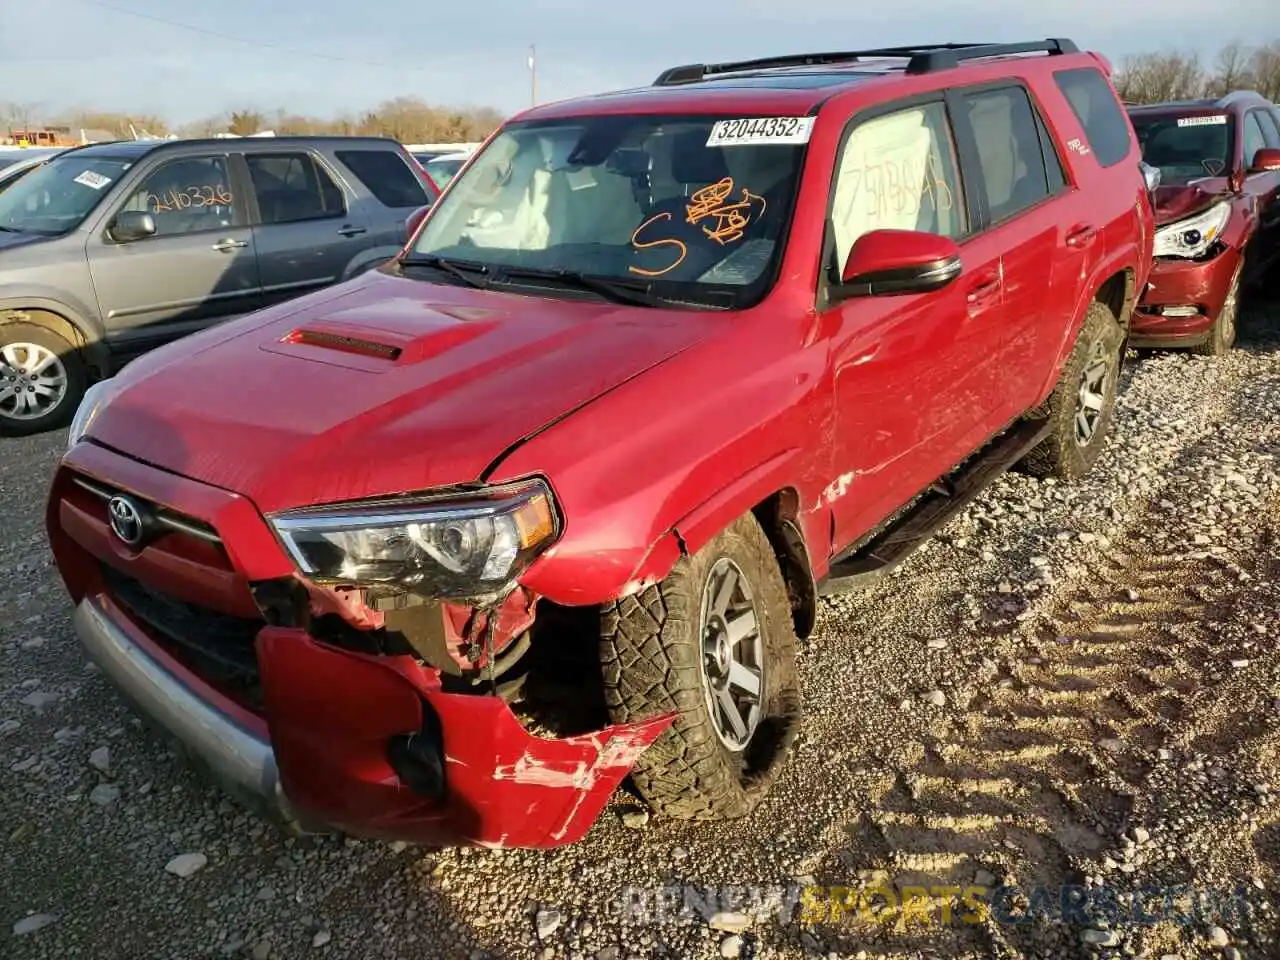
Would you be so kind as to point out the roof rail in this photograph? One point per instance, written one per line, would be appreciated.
(922, 58)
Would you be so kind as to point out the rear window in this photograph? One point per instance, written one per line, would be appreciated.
(387, 176)
(1094, 103)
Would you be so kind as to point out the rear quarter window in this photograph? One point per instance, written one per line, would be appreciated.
(386, 175)
(1094, 103)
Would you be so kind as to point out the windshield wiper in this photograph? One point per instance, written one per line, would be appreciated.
(634, 293)
(472, 274)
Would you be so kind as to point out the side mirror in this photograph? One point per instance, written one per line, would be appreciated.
(1266, 160)
(889, 262)
(1150, 176)
(412, 224)
(132, 225)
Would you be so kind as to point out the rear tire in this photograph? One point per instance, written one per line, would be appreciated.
(1082, 405)
(684, 646)
(1225, 326)
(42, 380)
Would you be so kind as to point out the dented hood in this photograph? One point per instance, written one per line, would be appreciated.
(1174, 202)
(383, 385)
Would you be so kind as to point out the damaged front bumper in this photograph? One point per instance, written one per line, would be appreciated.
(314, 732)
(1182, 300)
(331, 755)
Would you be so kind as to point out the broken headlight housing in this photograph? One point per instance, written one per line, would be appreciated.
(1192, 237)
(449, 547)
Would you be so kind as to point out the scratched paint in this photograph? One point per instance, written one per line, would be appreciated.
(837, 488)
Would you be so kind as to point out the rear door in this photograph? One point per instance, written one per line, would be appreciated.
(387, 189)
(1040, 231)
(199, 267)
(305, 225)
(1263, 188)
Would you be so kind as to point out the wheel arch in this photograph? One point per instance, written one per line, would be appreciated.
(66, 323)
(1116, 287)
(777, 506)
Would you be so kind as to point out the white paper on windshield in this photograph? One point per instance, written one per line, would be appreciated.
(752, 131)
(1216, 120)
(95, 180)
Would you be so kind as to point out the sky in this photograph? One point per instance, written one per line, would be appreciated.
(328, 57)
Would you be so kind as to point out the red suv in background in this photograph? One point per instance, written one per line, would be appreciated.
(1217, 213)
(658, 369)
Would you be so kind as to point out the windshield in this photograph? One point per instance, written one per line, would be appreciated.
(56, 197)
(1186, 148)
(630, 198)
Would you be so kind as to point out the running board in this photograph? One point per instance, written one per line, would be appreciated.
(869, 562)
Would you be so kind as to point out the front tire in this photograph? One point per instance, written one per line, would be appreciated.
(42, 380)
(1082, 405)
(714, 644)
(1223, 335)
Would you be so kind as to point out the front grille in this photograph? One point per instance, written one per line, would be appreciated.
(164, 516)
(216, 646)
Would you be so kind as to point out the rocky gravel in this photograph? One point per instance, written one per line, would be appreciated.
(1066, 702)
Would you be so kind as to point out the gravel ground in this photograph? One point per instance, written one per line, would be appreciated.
(1070, 686)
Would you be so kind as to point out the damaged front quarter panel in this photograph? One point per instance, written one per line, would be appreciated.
(334, 716)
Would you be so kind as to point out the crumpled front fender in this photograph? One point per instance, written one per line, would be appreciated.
(332, 714)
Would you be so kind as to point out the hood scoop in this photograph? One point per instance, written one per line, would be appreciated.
(341, 341)
(366, 347)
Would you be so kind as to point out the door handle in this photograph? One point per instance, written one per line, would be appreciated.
(984, 290)
(1081, 234)
(227, 245)
(348, 230)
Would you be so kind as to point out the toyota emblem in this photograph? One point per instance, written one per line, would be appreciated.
(126, 520)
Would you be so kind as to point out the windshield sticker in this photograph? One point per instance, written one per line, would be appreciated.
(1216, 120)
(757, 130)
(95, 181)
(683, 251)
(731, 219)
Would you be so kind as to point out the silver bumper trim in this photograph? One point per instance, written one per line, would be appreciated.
(242, 762)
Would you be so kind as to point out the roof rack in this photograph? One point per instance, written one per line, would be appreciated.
(922, 58)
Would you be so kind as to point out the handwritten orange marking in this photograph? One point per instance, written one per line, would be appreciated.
(732, 219)
(651, 244)
(211, 195)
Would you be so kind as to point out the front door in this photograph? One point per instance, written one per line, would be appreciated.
(1263, 188)
(912, 374)
(198, 268)
(306, 230)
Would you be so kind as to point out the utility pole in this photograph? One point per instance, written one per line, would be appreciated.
(533, 75)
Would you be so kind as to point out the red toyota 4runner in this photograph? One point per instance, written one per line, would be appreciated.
(658, 369)
(1217, 209)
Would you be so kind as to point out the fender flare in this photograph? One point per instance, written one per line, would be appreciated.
(92, 342)
(691, 532)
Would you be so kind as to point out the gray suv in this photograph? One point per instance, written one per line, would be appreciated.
(109, 250)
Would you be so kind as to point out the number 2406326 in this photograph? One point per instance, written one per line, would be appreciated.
(214, 195)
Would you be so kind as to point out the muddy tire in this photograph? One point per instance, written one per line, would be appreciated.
(687, 646)
(42, 380)
(1082, 405)
(1223, 335)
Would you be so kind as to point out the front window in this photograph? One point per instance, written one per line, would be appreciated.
(1186, 147)
(55, 198)
(688, 210)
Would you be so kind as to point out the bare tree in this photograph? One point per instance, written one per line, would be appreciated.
(246, 122)
(1230, 70)
(1264, 65)
(1157, 77)
(18, 116)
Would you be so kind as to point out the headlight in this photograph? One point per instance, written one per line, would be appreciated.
(451, 547)
(91, 404)
(1193, 236)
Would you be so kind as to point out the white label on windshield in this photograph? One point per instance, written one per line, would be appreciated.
(1216, 120)
(95, 180)
(757, 130)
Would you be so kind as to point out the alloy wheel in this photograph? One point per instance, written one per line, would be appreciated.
(33, 381)
(732, 654)
(1091, 396)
